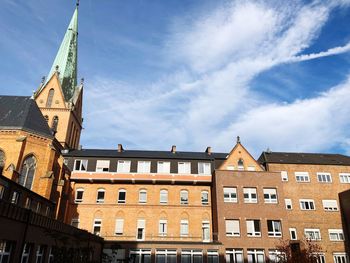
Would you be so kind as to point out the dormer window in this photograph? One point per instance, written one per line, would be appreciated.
(102, 166)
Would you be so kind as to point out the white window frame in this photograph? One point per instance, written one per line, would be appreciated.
(141, 224)
(163, 167)
(40, 252)
(142, 196)
(256, 254)
(119, 226)
(79, 200)
(163, 196)
(302, 177)
(274, 232)
(232, 227)
(250, 223)
(270, 195)
(234, 255)
(184, 228)
(344, 178)
(184, 168)
(313, 234)
(192, 253)
(340, 257)
(98, 199)
(26, 253)
(205, 200)
(324, 178)
(83, 164)
(288, 203)
(204, 168)
(284, 176)
(15, 197)
(141, 254)
(102, 166)
(166, 253)
(184, 197)
(338, 233)
(206, 231)
(5, 250)
(144, 167)
(330, 205)
(307, 202)
(163, 227)
(123, 166)
(121, 201)
(97, 223)
(230, 195)
(291, 231)
(250, 191)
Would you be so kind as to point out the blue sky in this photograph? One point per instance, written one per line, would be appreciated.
(194, 73)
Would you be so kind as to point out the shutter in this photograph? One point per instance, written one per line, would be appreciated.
(119, 226)
(141, 223)
(250, 226)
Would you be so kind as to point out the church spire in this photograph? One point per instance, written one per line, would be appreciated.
(67, 59)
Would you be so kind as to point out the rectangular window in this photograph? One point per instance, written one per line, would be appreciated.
(204, 168)
(166, 256)
(141, 224)
(256, 256)
(270, 195)
(100, 196)
(284, 176)
(79, 193)
(123, 166)
(5, 251)
(274, 228)
(97, 227)
(344, 178)
(250, 195)
(307, 204)
(191, 256)
(119, 226)
(40, 252)
(232, 228)
(143, 167)
(293, 233)
(163, 197)
(121, 196)
(213, 256)
(184, 197)
(26, 253)
(340, 258)
(102, 166)
(75, 222)
(163, 227)
(184, 228)
(324, 177)
(312, 233)
(184, 167)
(15, 197)
(320, 257)
(234, 255)
(80, 165)
(253, 228)
(230, 194)
(206, 231)
(205, 197)
(28, 204)
(163, 167)
(276, 256)
(288, 203)
(302, 177)
(140, 255)
(330, 205)
(336, 234)
(143, 196)
(38, 208)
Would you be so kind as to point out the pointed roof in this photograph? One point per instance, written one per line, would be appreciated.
(67, 59)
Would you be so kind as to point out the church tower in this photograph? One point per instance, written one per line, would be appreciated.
(59, 97)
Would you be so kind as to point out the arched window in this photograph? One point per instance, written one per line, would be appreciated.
(50, 98)
(184, 197)
(54, 124)
(27, 172)
(46, 118)
(100, 196)
(163, 196)
(240, 164)
(2, 161)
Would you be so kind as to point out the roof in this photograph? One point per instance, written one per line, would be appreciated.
(22, 113)
(304, 158)
(145, 154)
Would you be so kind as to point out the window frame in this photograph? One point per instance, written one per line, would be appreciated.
(76, 199)
(291, 230)
(328, 207)
(144, 167)
(342, 176)
(184, 225)
(121, 201)
(182, 200)
(123, 166)
(142, 196)
(322, 177)
(202, 169)
(163, 196)
(160, 167)
(269, 199)
(273, 231)
(254, 223)
(250, 191)
(81, 165)
(102, 168)
(307, 201)
(302, 177)
(97, 224)
(338, 232)
(119, 226)
(98, 199)
(163, 227)
(234, 225)
(186, 169)
(313, 231)
(141, 224)
(203, 200)
(228, 191)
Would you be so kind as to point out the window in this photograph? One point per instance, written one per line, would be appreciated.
(54, 124)
(191, 256)
(284, 176)
(27, 172)
(340, 258)
(119, 226)
(141, 224)
(184, 197)
(143, 166)
(206, 231)
(234, 255)
(205, 197)
(293, 233)
(80, 165)
(307, 204)
(122, 196)
(302, 177)
(253, 228)
(344, 178)
(270, 195)
(232, 228)
(140, 255)
(240, 165)
(250, 195)
(166, 256)
(276, 256)
(75, 222)
(50, 98)
(123, 166)
(142, 196)
(5, 251)
(163, 197)
(288, 203)
(184, 167)
(230, 194)
(320, 257)
(102, 166)
(330, 205)
(28, 204)
(336, 234)
(100, 196)
(38, 207)
(2, 190)
(184, 228)
(274, 228)
(213, 256)
(256, 256)
(15, 197)
(2, 161)
(79, 193)
(51, 257)
(163, 230)
(26, 253)
(324, 177)
(40, 252)
(312, 233)
(97, 227)
(204, 168)
(48, 211)
(163, 167)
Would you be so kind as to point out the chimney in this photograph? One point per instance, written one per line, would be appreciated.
(120, 148)
(173, 149)
(238, 139)
(208, 150)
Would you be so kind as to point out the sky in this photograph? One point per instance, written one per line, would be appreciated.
(194, 73)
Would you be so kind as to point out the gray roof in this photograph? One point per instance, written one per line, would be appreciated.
(145, 154)
(22, 113)
(304, 158)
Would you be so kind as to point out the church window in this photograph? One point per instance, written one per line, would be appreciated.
(54, 124)
(27, 172)
(50, 98)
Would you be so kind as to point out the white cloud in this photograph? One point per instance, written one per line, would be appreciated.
(211, 102)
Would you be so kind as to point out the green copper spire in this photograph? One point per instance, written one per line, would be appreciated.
(66, 59)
